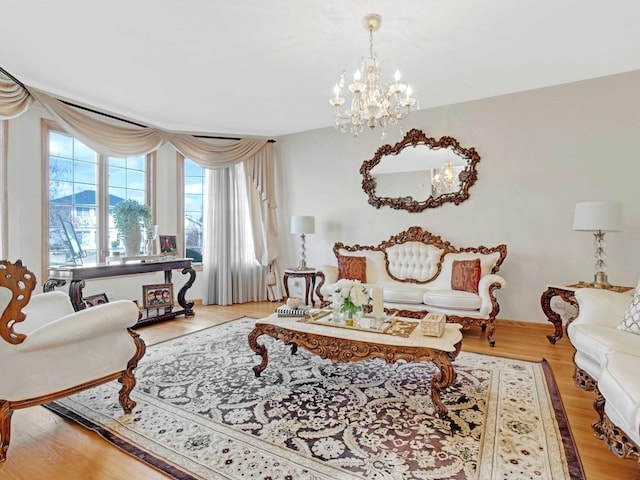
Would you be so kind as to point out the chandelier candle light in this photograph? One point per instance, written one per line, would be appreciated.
(598, 217)
(303, 225)
(373, 102)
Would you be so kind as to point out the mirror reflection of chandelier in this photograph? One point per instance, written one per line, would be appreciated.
(447, 178)
(373, 102)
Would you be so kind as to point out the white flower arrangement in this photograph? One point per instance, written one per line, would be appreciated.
(352, 296)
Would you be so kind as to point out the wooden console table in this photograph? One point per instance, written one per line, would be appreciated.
(58, 276)
(566, 293)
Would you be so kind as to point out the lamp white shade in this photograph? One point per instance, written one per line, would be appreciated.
(594, 216)
(303, 224)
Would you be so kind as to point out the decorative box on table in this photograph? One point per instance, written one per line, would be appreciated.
(433, 324)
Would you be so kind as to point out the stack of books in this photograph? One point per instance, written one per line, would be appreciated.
(286, 311)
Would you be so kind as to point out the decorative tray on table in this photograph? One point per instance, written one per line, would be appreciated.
(389, 324)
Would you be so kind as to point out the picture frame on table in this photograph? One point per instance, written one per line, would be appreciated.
(157, 296)
(93, 300)
(168, 244)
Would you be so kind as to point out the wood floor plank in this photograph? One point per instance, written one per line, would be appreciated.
(44, 446)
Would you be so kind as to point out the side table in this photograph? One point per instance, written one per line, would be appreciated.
(566, 293)
(309, 276)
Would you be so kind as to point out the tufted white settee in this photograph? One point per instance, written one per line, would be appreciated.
(415, 270)
(607, 360)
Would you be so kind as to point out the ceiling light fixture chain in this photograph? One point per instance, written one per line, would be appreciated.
(373, 102)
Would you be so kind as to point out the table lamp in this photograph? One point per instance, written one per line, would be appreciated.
(303, 225)
(598, 217)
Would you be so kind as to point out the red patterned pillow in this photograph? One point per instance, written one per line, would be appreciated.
(352, 268)
(465, 275)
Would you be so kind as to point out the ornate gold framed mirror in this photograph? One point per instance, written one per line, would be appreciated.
(419, 172)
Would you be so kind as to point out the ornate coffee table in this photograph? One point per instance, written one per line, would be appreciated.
(346, 345)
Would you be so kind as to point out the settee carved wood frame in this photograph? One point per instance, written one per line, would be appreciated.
(17, 278)
(618, 442)
(414, 137)
(418, 234)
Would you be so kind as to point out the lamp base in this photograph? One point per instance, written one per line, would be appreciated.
(302, 266)
(600, 281)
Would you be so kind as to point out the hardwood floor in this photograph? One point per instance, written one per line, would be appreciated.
(44, 446)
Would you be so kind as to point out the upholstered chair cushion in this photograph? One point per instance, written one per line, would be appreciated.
(465, 275)
(452, 299)
(352, 268)
(403, 294)
(631, 319)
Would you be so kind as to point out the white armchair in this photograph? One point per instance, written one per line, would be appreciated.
(48, 351)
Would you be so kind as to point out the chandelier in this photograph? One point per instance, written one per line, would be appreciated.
(373, 102)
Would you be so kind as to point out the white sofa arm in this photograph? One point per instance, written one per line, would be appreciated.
(330, 277)
(484, 290)
(600, 307)
(89, 323)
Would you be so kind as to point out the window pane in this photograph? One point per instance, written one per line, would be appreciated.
(60, 145)
(61, 169)
(136, 163)
(117, 177)
(135, 179)
(72, 201)
(194, 208)
(84, 172)
(126, 181)
(82, 152)
(117, 162)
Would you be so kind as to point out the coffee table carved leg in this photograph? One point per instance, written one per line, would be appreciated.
(259, 349)
(443, 379)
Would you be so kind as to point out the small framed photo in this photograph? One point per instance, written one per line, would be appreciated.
(94, 300)
(168, 244)
(156, 296)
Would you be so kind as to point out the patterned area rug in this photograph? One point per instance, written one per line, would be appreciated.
(202, 414)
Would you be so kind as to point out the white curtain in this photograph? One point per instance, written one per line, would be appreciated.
(234, 275)
(114, 140)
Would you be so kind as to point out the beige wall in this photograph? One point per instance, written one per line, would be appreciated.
(542, 151)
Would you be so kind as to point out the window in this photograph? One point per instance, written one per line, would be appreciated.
(84, 187)
(194, 176)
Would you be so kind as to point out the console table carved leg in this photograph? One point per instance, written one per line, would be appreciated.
(51, 284)
(75, 294)
(188, 306)
(258, 349)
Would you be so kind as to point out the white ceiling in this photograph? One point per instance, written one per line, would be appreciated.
(267, 67)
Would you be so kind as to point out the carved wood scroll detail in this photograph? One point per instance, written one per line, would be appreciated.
(21, 282)
(417, 137)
